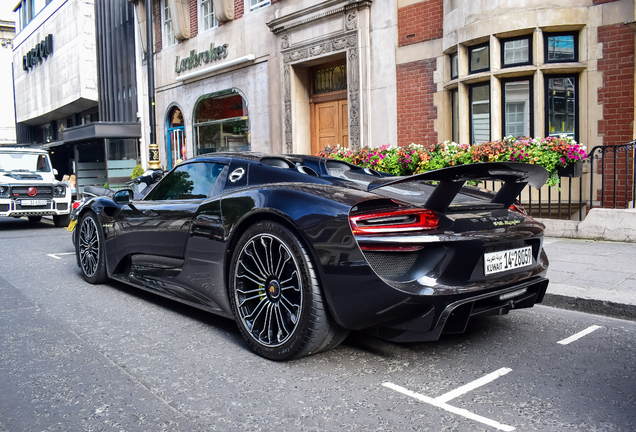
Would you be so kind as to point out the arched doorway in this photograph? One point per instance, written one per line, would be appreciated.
(176, 140)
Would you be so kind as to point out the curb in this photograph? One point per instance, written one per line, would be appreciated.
(596, 307)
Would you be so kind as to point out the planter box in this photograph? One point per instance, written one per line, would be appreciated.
(572, 170)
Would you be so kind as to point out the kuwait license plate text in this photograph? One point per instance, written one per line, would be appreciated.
(496, 262)
(33, 202)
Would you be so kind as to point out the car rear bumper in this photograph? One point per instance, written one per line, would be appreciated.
(452, 315)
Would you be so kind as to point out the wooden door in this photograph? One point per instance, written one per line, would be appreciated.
(330, 124)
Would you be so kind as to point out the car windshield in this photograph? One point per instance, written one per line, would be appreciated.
(32, 162)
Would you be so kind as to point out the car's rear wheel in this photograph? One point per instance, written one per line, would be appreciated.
(276, 297)
(35, 218)
(61, 220)
(90, 249)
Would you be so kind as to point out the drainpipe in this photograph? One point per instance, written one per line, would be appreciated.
(153, 148)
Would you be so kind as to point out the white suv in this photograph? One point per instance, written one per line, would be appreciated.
(28, 187)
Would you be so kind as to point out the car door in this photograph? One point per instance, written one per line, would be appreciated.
(159, 224)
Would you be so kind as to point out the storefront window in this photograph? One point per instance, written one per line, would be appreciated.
(561, 105)
(479, 113)
(517, 108)
(561, 47)
(479, 58)
(176, 140)
(221, 123)
(121, 157)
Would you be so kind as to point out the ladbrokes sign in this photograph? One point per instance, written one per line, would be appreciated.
(37, 54)
(198, 58)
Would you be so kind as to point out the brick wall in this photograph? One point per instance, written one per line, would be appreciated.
(420, 22)
(157, 23)
(617, 97)
(239, 9)
(416, 112)
(194, 19)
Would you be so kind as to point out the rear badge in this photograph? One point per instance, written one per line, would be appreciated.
(236, 175)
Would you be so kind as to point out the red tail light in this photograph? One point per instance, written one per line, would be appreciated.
(517, 207)
(76, 204)
(393, 221)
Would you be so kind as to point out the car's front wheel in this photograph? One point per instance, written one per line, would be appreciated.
(276, 297)
(35, 218)
(90, 249)
(61, 220)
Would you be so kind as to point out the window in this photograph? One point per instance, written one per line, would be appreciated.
(455, 115)
(208, 17)
(479, 113)
(256, 4)
(516, 52)
(517, 107)
(168, 32)
(454, 60)
(561, 104)
(561, 47)
(187, 181)
(221, 123)
(479, 59)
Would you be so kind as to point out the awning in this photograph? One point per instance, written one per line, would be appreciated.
(100, 130)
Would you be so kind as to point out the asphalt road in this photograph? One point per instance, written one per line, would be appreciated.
(79, 357)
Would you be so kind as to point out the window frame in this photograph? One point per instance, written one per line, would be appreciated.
(471, 87)
(455, 56)
(259, 5)
(202, 18)
(547, 35)
(577, 110)
(530, 80)
(502, 43)
(455, 105)
(164, 35)
(470, 58)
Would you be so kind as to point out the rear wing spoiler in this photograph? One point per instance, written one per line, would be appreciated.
(514, 175)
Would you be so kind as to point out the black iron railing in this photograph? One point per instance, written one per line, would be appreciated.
(612, 167)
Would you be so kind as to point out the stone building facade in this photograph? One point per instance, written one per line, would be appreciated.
(273, 76)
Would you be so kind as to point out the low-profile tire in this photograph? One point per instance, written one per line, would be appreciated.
(276, 296)
(35, 218)
(90, 249)
(61, 220)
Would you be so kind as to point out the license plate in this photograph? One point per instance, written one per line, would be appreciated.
(33, 202)
(71, 226)
(495, 262)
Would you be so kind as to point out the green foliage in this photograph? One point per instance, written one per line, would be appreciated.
(137, 171)
(552, 153)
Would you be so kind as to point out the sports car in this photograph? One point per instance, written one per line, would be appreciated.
(301, 250)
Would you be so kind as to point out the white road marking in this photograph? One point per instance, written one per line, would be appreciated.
(449, 408)
(473, 385)
(57, 257)
(579, 335)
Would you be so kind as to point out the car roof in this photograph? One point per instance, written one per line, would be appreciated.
(22, 150)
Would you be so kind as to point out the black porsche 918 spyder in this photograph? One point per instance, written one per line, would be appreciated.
(300, 250)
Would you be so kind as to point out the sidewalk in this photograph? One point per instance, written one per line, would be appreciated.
(591, 276)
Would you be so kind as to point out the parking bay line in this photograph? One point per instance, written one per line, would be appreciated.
(57, 257)
(579, 335)
(440, 401)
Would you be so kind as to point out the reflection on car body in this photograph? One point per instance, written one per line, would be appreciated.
(300, 250)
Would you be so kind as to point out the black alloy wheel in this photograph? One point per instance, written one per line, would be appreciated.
(90, 250)
(275, 295)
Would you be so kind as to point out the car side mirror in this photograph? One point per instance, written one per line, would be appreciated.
(124, 196)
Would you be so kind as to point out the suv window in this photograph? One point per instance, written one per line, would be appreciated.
(13, 161)
(187, 181)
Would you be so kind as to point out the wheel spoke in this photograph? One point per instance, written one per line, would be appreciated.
(267, 289)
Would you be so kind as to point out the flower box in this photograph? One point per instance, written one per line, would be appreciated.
(572, 170)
